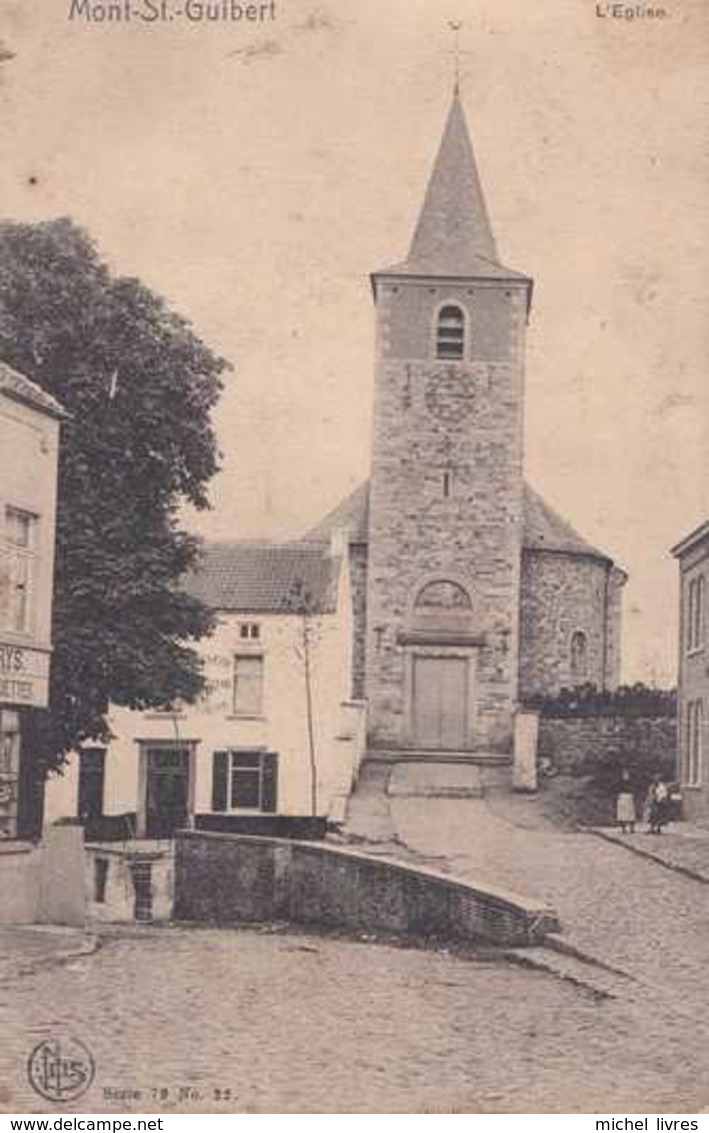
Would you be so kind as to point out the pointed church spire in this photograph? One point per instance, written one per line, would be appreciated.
(454, 230)
(453, 236)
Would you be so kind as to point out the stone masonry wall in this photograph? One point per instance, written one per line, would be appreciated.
(223, 878)
(579, 744)
(431, 417)
(562, 594)
(358, 583)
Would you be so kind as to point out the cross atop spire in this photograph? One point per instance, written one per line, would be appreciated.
(455, 26)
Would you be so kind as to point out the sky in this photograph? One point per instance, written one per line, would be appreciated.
(255, 173)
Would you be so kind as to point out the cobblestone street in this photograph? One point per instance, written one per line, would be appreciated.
(300, 1023)
(627, 911)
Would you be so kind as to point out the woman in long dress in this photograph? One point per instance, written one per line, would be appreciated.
(658, 805)
(625, 806)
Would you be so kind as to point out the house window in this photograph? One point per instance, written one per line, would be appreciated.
(694, 737)
(17, 561)
(450, 332)
(248, 685)
(695, 613)
(579, 657)
(245, 780)
(249, 631)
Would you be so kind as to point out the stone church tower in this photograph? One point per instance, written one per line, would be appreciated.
(446, 490)
(472, 597)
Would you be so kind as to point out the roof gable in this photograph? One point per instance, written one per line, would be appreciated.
(17, 386)
(351, 515)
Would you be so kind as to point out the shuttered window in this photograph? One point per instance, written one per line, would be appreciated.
(450, 332)
(245, 780)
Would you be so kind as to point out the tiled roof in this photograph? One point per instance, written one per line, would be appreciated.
(453, 236)
(264, 577)
(22, 389)
(544, 529)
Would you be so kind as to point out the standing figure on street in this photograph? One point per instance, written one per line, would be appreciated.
(657, 804)
(625, 805)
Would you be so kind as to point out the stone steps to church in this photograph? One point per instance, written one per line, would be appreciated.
(446, 779)
(408, 755)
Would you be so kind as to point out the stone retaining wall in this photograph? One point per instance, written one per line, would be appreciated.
(577, 745)
(221, 878)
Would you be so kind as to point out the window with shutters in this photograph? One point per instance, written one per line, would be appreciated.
(245, 779)
(248, 684)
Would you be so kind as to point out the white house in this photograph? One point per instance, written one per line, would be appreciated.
(275, 740)
(29, 444)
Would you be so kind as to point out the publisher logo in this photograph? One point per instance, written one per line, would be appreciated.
(60, 1070)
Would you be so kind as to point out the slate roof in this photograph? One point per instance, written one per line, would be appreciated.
(544, 529)
(16, 385)
(260, 577)
(453, 236)
(352, 514)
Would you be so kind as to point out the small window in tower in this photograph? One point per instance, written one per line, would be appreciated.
(447, 484)
(450, 332)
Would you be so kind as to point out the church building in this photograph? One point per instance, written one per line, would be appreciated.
(471, 594)
(445, 593)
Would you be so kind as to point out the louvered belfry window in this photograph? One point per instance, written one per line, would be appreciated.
(450, 332)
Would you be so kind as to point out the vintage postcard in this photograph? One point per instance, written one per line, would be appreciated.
(354, 557)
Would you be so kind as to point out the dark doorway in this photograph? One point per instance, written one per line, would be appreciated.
(92, 769)
(167, 790)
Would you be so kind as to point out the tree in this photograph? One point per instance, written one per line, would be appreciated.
(299, 601)
(139, 387)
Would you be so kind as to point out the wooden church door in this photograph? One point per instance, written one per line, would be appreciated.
(440, 703)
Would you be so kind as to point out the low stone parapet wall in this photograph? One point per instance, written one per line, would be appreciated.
(222, 878)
